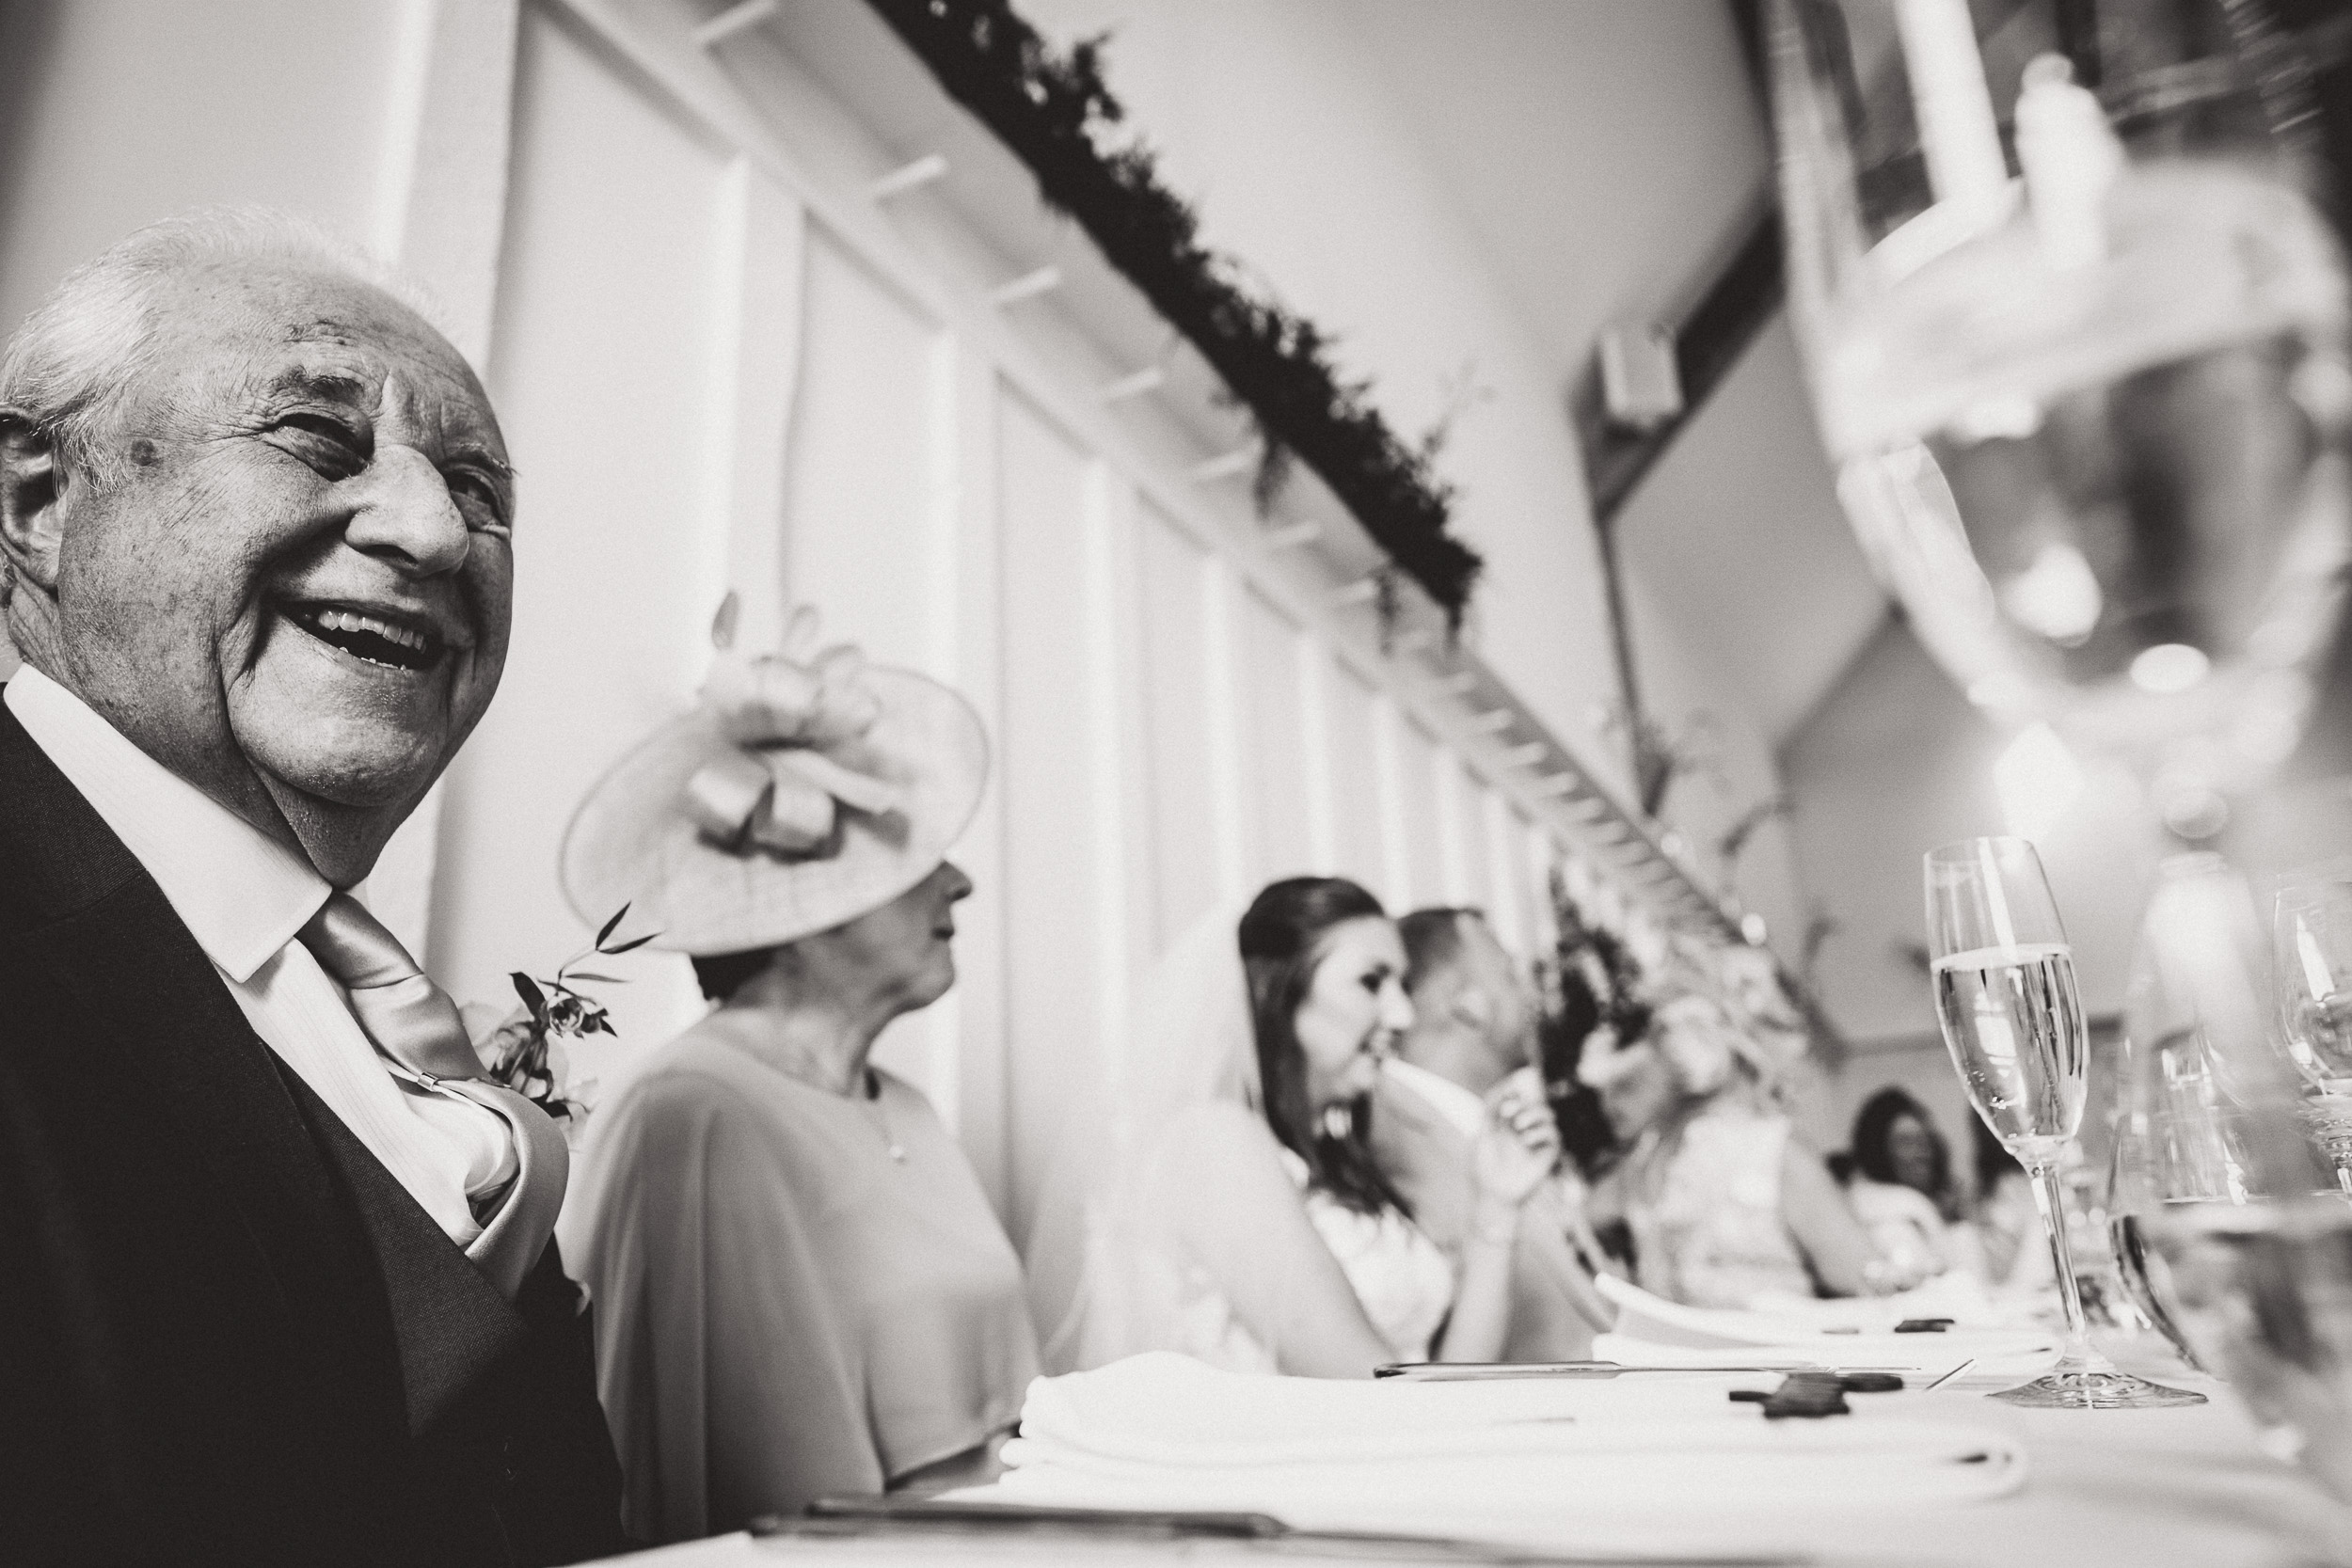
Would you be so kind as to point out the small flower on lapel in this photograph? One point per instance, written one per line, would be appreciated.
(520, 1051)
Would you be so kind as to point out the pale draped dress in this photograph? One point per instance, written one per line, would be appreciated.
(1708, 1227)
(1902, 1225)
(784, 1310)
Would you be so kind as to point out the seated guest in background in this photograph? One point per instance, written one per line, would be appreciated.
(1901, 1188)
(276, 1280)
(2003, 1226)
(1473, 1030)
(1725, 1206)
(800, 1287)
(1238, 1215)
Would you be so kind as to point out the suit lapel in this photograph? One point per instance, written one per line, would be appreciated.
(94, 919)
(453, 1323)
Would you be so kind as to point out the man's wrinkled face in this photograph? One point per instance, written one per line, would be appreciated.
(305, 569)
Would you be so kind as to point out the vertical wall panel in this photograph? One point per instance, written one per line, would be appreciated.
(606, 339)
(865, 461)
(1349, 718)
(1178, 716)
(1274, 729)
(1423, 857)
(1467, 877)
(1506, 877)
(1056, 947)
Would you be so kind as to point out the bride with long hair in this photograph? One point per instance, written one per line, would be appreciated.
(1232, 1211)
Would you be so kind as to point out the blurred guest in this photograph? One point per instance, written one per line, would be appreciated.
(276, 1280)
(1238, 1215)
(2003, 1220)
(800, 1287)
(1901, 1188)
(1726, 1208)
(1473, 1028)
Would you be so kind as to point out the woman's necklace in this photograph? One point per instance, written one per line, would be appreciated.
(873, 1104)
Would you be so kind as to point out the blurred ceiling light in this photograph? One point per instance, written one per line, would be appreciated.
(2055, 597)
(2037, 778)
(2170, 667)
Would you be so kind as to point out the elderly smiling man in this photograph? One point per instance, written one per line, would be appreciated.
(276, 1277)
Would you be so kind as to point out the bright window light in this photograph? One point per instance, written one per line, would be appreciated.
(2038, 778)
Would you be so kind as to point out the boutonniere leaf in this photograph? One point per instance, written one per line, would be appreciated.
(534, 998)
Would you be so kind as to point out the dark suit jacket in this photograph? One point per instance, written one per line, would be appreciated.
(226, 1334)
(1429, 1163)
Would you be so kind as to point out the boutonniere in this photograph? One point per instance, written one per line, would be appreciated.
(522, 1052)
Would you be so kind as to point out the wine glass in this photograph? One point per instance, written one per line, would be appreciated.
(2240, 1239)
(2312, 969)
(2090, 419)
(2005, 996)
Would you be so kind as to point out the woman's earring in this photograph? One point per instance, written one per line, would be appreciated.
(1339, 1121)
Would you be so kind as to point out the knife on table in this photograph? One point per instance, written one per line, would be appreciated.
(848, 1517)
(1481, 1372)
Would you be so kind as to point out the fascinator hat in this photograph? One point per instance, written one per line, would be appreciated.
(804, 789)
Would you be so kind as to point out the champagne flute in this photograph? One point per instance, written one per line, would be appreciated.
(2311, 965)
(2013, 1018)
(2091, 419)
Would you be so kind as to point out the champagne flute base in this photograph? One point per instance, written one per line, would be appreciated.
(2096, 1390)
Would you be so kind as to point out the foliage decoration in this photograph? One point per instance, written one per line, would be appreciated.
(1054, 112)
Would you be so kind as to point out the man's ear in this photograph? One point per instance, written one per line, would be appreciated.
(1474, 1007)
(31, 520)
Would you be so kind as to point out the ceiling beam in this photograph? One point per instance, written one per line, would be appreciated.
(1708, 339)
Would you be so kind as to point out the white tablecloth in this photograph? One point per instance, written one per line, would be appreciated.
(2136, 1489)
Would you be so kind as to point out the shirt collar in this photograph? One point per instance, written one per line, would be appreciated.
(1465, 1110)
(241, 894)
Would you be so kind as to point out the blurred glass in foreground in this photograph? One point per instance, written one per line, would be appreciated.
(2075, 334)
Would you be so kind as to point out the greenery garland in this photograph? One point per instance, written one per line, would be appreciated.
(1055, 114)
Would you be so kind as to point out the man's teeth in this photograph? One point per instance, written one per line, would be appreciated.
(344, 621)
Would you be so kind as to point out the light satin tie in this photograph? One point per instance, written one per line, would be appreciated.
(417, 1027)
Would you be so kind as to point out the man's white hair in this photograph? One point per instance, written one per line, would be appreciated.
(68, 369)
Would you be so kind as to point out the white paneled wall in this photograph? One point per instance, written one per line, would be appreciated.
(713, 377)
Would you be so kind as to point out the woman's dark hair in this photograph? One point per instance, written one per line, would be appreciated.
(720, 974)
(1875, 1159)
(1282, 940)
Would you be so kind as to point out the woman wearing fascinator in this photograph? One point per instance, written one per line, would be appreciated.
(799, 1288)
(1726, 1208)
(1235, 1214)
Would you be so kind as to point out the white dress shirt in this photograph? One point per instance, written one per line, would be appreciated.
(1465, 1110)
(245, 897)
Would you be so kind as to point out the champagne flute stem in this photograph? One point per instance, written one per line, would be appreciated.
(2048, 1198)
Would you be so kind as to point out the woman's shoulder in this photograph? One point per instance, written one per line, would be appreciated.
(698, 1071)
(897, 1094)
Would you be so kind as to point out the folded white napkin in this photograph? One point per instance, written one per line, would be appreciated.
(1653, 1331)
(1512, 1460)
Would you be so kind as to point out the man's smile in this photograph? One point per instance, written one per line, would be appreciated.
(396, 639)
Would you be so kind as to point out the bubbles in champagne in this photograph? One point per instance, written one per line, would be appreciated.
(2013, 1022)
